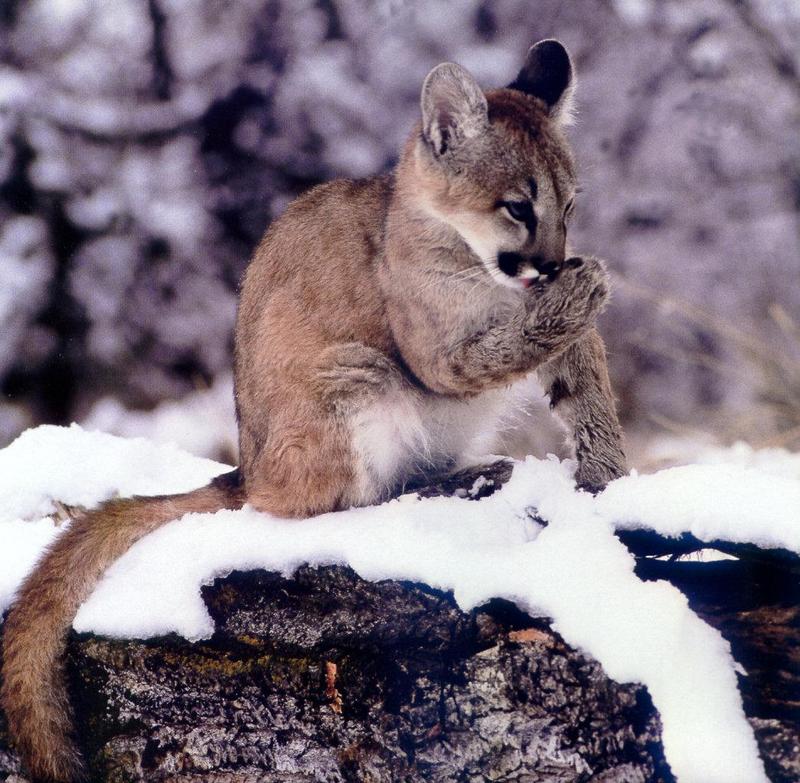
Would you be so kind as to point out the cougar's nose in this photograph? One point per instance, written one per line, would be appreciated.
(516, 264)
(510, 263)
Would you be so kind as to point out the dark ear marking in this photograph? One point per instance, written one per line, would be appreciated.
(547, 74)
(444, 140)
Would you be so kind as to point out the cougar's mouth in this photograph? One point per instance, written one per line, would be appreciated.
(526, 269)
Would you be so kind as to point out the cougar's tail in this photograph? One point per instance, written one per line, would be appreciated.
(34, 693)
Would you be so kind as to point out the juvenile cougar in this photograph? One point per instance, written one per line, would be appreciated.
(385, 326)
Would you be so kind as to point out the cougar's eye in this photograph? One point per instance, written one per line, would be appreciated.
(569, 207)
(519, 210)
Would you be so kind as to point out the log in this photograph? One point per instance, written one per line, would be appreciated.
(327, 677)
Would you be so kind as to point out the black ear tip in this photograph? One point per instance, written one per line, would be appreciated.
(547, 72)
(552, 55)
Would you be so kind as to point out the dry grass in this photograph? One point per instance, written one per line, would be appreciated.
(762, 357)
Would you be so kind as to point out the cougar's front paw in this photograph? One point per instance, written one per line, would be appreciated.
(351, 374)
(586, 285)
(593, 476)
(568, 306)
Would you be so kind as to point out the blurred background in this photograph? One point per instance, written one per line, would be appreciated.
(146, 144)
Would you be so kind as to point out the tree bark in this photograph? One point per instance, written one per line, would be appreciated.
(327, 677)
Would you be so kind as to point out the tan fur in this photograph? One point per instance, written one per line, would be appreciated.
(378, 340)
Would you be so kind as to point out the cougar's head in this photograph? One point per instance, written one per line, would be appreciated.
(498, 168)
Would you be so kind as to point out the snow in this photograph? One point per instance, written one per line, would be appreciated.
(634, 12)
(80, 468)
(773, 461)
(739, 504)
(175, 421)
(574, 570)
(674, 450)
(23, 542)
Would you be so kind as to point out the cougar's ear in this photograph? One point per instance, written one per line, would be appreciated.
(548, 75)
(453, 108)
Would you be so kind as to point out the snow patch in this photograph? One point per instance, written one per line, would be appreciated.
(81, 468)
(730, 502)
(175, 421)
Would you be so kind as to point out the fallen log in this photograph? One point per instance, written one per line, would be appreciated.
(327, 677)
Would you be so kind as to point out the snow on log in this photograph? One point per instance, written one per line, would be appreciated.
(535, 542)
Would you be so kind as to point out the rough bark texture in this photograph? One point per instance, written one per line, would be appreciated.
(326, 677)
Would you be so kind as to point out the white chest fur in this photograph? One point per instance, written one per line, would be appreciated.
(407, 434)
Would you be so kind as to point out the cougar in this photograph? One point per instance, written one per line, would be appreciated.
(386, 328)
